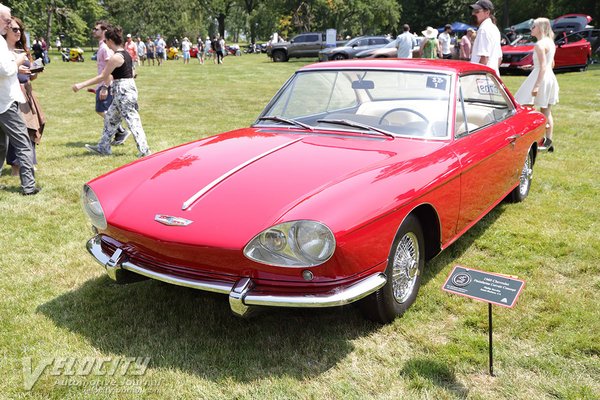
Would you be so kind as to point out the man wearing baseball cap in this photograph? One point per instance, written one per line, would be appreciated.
(486, 49)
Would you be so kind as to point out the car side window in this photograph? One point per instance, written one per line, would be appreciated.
(377, 41)
(480, 101)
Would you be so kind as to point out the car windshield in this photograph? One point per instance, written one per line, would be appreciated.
(403, 103)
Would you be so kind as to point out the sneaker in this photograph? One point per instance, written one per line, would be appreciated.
(35, 191)
(95, 149)
(547, 145)
(120, 138)
(147, 153)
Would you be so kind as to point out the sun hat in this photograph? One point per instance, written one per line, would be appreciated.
(430, 33)
(482, 5)
(129, 35)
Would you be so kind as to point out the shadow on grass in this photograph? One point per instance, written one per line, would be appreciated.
(78, 144)
(193, 331)
(422, 373)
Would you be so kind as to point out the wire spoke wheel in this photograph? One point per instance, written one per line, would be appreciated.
(526, 176)
(405, 268)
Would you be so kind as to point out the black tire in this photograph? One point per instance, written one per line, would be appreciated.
(522, 190)
(279, 56)
(404, 270)
(339, 56)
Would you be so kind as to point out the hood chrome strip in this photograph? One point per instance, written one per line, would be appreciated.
(226, 175)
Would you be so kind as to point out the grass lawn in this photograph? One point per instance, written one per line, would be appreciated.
(57, 304)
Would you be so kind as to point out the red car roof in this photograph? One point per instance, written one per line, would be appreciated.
(451, 66)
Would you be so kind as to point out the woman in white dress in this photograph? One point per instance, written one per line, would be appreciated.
(541, 87)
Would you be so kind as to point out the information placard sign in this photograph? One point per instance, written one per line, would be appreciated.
(491, 288)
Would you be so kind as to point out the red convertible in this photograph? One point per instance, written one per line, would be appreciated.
(355, 174)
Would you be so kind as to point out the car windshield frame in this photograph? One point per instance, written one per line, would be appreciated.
(401, 102)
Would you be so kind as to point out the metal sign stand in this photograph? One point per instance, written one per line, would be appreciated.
(488, 287)
(491, 344)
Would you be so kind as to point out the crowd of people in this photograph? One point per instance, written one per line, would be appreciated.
(22, 120)
(540, 89)
(155, 51)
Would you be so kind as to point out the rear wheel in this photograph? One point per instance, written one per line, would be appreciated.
(339, 56)
(403, 272)
(522, 190)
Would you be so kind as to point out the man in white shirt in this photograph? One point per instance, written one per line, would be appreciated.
(405, 43)
(446, 42)
(12, 125)
(486, 49)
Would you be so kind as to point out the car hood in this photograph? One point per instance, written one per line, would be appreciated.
(233, 186)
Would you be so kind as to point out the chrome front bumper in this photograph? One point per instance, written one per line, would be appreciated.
(241, 295)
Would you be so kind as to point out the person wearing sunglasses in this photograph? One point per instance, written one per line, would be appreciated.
(104, 97)
(31, 109)
(540, 89)
(125, 100)
(486, 49)
(12, 125)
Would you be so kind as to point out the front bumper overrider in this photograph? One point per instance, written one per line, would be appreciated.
(242, 294)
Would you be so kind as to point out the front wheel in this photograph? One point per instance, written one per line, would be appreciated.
(279, 56)
(404, 269)
(522, 190)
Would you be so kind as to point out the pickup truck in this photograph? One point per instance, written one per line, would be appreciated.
(302, 45)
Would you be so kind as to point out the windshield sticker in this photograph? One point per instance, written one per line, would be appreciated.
(436, 82)
(486, 86)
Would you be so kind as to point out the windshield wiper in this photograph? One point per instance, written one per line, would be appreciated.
(286, 121)
(356, 125)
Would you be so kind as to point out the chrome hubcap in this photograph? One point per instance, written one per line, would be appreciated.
(526, 175)
(405, 269)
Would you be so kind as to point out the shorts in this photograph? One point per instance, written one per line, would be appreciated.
(102, 105)
(186, 55)
(160, 54)
(150, 56)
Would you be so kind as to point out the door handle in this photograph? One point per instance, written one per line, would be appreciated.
(512, 139)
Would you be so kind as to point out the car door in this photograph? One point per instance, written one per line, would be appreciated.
(485, 145)
(572, 50)
(312, 45)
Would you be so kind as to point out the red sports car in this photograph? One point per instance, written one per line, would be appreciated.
(355, 174)
(572, 52)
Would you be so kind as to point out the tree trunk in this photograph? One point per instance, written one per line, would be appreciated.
(221, 19)
(49, 25)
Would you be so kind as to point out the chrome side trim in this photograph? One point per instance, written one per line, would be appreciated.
(241, 296)
(226, 175)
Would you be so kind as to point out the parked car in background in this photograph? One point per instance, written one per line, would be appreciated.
(571, 23)
(302, 45)
(592, 36)
(352, 47)
(572, 52)
(356, 173)
(390, 50)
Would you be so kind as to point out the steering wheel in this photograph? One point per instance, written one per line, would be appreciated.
(402, 109)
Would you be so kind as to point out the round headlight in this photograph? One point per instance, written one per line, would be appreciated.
(313, 240)
(273, 240)
(93, 208)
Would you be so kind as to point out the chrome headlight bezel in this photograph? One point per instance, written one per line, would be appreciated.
(92, 208)
(294, 244)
